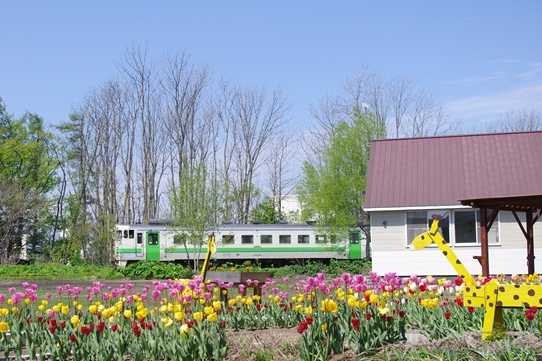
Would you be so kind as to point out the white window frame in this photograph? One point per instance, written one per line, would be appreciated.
(496, 223)
(427, 210)
(452, 243)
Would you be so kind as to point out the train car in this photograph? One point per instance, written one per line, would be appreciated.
(161, 242)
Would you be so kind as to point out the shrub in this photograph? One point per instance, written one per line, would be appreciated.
(156, 270)
(51, 271)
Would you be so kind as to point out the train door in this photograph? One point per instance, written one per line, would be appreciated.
(152, 250)
(354, 246)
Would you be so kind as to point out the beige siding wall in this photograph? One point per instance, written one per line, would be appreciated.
(388, 231)
(389, 252)
(511, 235)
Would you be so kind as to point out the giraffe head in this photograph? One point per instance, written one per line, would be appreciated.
(423, 240)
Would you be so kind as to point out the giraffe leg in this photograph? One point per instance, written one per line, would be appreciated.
(493, 326)
(489, 320)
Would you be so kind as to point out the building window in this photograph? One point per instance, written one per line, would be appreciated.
(266, 239)
(419, 222)
(321, 238)
(416, 224)
(228, 239)
(465, 227)
(303, 239)
(247, 239)
(131, 234)
(285, 239)
(139, 238)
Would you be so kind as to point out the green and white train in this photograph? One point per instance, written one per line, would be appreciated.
(160, 242)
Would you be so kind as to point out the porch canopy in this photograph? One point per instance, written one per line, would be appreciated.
(489, 207)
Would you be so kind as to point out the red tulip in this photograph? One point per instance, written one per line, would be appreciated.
(459, 301)
(447, 315)
(368, 316)
(100, 327)
(470, 309)
(423, 287)
(86, 330)
(302, 327)
(72, 338)
(355, 324)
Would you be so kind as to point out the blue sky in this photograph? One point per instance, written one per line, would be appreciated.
(479, 58)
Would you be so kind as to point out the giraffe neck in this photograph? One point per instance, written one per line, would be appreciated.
(452, 258)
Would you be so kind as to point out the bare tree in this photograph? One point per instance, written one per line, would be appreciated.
(258, 117)
(520, 121)
(280, 181)
(147, 110)
(183, 86)
(403, 108)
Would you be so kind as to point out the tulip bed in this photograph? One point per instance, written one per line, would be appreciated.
(188, 319)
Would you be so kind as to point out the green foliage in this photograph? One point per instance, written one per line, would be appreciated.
(332, 192)
(194, 205)
(55, 271)
(156, 270)
(263, 355)
(504, 350)
(27, 174)
(266, 212)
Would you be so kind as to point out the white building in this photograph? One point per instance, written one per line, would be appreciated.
(412, 180)
(291, 208)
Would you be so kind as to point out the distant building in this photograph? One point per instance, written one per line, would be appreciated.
(412, 180)
(291, 208)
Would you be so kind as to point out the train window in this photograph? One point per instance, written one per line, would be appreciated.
(228, 239)
(354, 237)
(285, 238)
(152, 239)
(321, 238)
(125, 233)
(139, 237)
(247, 239)
(131, 233)
(303, 238)
(179, 238)
(266, 239)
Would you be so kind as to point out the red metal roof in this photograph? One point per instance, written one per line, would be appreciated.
(441, 171)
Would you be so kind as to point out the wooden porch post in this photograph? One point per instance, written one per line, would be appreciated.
(484, 258)
(530, 241)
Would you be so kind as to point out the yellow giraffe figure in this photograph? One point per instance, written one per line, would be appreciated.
(492, 296)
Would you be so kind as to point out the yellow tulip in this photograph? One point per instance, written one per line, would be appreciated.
(328, 306)
(127, 313)
(74, 320)
(212, 317)
(198, 316)
(179, 315)
(4, 327)
(184, 329)
(167, 321)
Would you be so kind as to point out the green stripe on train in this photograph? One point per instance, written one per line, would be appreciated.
(242, 249)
